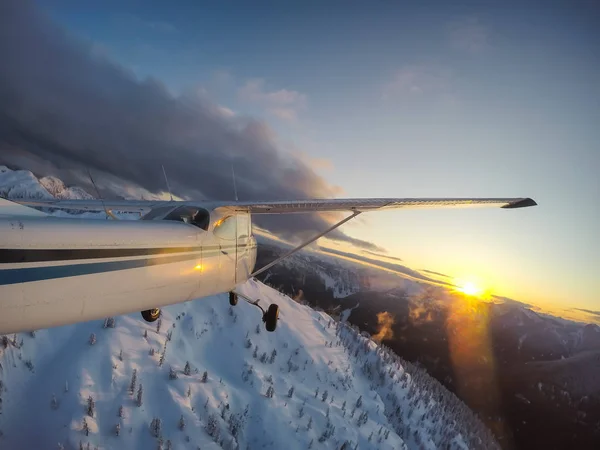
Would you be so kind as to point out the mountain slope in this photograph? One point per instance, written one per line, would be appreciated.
(314, 355)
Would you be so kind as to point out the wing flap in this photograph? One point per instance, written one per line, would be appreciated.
(135, 206)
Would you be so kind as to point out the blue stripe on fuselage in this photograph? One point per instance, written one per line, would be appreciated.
(29, 274)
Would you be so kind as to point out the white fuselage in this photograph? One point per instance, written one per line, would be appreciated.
(56, 271)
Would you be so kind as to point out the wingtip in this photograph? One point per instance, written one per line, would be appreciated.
(522, 203)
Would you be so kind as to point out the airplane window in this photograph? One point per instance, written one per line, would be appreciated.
(225, 228)
(156, 212)
(242, 227)
(190, 214)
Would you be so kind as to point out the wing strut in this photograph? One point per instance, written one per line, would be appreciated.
(310, 241)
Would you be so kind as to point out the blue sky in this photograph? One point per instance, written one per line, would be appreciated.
(391, 99)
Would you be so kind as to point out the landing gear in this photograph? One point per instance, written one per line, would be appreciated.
(150, 315)
(270, 317)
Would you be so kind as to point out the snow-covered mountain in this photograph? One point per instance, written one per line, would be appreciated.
(18, 184)
(314, 383)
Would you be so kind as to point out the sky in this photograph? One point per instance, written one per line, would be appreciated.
(337, 99)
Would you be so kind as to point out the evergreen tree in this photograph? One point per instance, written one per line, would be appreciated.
(158, 325)
(86, 429)
(155, 427)
(91, 405)
(187, 370)
(248, 343)
(146, 334)
(121, 355)
(118, 429)
(316, 392)
(205, 377)
(212, 427)
(270, 392)
(181, 423)
(255, 353)
(359, 402)
(189, 391)
(273, 355)
(120, 411)
(309, 424)
(324, 396)
(140, 394)
(291, 392)
(133, 382)
(172, 374)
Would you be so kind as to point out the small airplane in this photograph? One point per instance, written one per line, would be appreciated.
(57, 271)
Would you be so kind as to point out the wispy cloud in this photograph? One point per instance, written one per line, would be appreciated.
(435, 273)
(589, 311)
(468, 34)
(283, 103)
(134, 21)
(381, 255)
(417, 80)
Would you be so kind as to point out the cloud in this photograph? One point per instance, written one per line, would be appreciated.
(380, 255)
(133, 21)
(435, 273)
(468, 34)
(385, 321)
(283, 103)
(383, 264)
(589, 311)
(62, 103)
(417, 80)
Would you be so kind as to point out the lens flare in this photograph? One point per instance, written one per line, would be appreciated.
(470, 288)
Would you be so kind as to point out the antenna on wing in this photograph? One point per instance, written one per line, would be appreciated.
(234, 186)
(108, 213)
(167, 181)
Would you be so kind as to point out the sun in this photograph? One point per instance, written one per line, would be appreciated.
(470, 289)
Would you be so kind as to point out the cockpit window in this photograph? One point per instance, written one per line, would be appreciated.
(189, 214)
(156, 212)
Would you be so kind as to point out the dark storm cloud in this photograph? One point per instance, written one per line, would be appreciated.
(62, 101)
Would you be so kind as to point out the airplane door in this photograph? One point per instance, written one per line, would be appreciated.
(226, 234)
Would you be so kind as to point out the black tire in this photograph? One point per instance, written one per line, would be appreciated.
(271, 317)
(233, 299)
(151, 315)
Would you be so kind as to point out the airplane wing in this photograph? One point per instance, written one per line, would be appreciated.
(373, 204)
(292, 206)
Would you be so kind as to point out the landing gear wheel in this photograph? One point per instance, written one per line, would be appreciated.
(270, 317)
(233, 298)
(150, 315)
